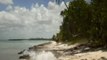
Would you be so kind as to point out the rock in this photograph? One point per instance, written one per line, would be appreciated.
(103, 58)
(21, 52)
(24, 57)
(83, 59)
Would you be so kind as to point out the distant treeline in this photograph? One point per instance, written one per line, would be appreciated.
(40, 39)
(16, 39)
(30, 39)
(82, 20)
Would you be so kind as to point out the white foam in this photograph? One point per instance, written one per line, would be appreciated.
(42, 55)
(45, 56)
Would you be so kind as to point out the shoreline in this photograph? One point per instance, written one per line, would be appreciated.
(66, 52)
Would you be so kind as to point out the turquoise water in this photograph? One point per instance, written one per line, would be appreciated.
(9, 49)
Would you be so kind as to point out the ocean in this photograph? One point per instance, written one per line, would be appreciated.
(9, 49)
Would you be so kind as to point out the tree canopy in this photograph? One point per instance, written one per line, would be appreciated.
(84, 20)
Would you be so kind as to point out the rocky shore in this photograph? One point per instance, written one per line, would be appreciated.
(59, 51)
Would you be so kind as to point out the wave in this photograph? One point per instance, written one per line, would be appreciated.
(42, 55)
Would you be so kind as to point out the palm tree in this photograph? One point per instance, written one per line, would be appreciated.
(58, 1)
(65, 4)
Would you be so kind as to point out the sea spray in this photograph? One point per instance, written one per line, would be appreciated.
(41, 55)
(45, 56)
(32, 55)
(40, 52)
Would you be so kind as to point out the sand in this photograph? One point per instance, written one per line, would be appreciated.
(63, 52)
(96, 55)
(91, 55)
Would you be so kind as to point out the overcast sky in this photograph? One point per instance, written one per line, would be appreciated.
(29, 18)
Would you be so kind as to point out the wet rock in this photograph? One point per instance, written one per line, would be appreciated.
(24, 57)
(21, 52)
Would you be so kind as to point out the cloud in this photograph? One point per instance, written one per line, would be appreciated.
(6, 2)
(39, 21)
(88, 1)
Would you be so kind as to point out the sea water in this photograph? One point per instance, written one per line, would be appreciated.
(9, 49)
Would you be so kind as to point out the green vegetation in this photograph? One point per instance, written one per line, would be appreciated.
(82, 20)
(30, 39)
(40, 39)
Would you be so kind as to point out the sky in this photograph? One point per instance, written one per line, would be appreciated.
(29, 18)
